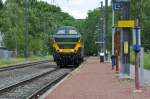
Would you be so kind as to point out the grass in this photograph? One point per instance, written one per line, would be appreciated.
(20, 60)
(146, 59)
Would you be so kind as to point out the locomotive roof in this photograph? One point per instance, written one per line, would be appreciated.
(67, 27)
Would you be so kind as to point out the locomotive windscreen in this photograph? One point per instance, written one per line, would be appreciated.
(72, 31)
(68, 31)
(62, 31)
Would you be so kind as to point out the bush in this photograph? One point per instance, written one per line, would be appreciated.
(146, 60)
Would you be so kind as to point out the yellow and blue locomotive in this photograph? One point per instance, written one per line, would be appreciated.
(67, 46)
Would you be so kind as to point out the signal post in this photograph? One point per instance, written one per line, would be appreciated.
(126, 26)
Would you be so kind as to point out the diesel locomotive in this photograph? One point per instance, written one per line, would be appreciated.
(67, 46)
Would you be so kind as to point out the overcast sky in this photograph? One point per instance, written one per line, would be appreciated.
(77, 8)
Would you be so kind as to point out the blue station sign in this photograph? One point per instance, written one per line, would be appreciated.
(118, 4)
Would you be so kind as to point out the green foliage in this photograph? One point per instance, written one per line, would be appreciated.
(91, 32)
(146, 60)
(1, 7)
(90, 35)
(141, 11)
(43, 19)
(21, 60)
(1, 4)
(138, 10)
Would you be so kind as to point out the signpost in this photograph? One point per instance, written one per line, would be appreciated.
(113, 32)
(137, 50)
(118, 5)
(125, 25)
(117, 51)
(126, 33)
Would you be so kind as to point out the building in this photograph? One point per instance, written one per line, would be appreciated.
(1, 40)
(4, 52)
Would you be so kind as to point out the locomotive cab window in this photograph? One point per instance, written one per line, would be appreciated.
(60, 32)
(72, 32)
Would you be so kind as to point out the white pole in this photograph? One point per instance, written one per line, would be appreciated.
(113, 30)
(142, 66)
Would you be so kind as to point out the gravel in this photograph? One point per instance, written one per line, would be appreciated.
(10, 77)
(26, 89)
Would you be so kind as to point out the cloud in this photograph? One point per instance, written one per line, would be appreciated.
(76, 8)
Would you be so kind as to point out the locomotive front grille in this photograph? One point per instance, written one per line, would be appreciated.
(66, 46)
(67, 39)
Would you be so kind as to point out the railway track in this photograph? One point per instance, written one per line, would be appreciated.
(33, 87)
(28, 81)
(18, 66)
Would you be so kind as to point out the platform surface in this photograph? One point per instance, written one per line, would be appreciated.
(95, 80)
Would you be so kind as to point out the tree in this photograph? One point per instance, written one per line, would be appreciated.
(140, 9)
(43, 19)
(1, 4)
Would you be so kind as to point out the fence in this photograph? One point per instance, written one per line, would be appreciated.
(4, 53)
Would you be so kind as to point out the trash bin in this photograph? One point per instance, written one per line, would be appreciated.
(113, 60)
(102, 57)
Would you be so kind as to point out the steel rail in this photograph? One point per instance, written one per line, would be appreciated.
(18, 66)
(39, 92)
(2, 90)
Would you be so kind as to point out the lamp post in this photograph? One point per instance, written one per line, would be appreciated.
(105, 29)
(26, 29)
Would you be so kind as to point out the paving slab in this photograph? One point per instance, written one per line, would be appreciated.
(95, 80)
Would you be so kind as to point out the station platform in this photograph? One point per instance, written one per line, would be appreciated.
(95, 80)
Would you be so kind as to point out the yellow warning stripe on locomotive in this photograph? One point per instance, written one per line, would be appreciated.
(74, 50)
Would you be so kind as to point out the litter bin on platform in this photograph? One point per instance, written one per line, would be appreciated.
(102, 57)
(113, 60)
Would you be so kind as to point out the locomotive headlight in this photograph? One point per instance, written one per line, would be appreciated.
(72, 50)
(61, 50)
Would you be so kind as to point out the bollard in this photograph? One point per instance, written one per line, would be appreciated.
(113, 58)
(101, 57)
